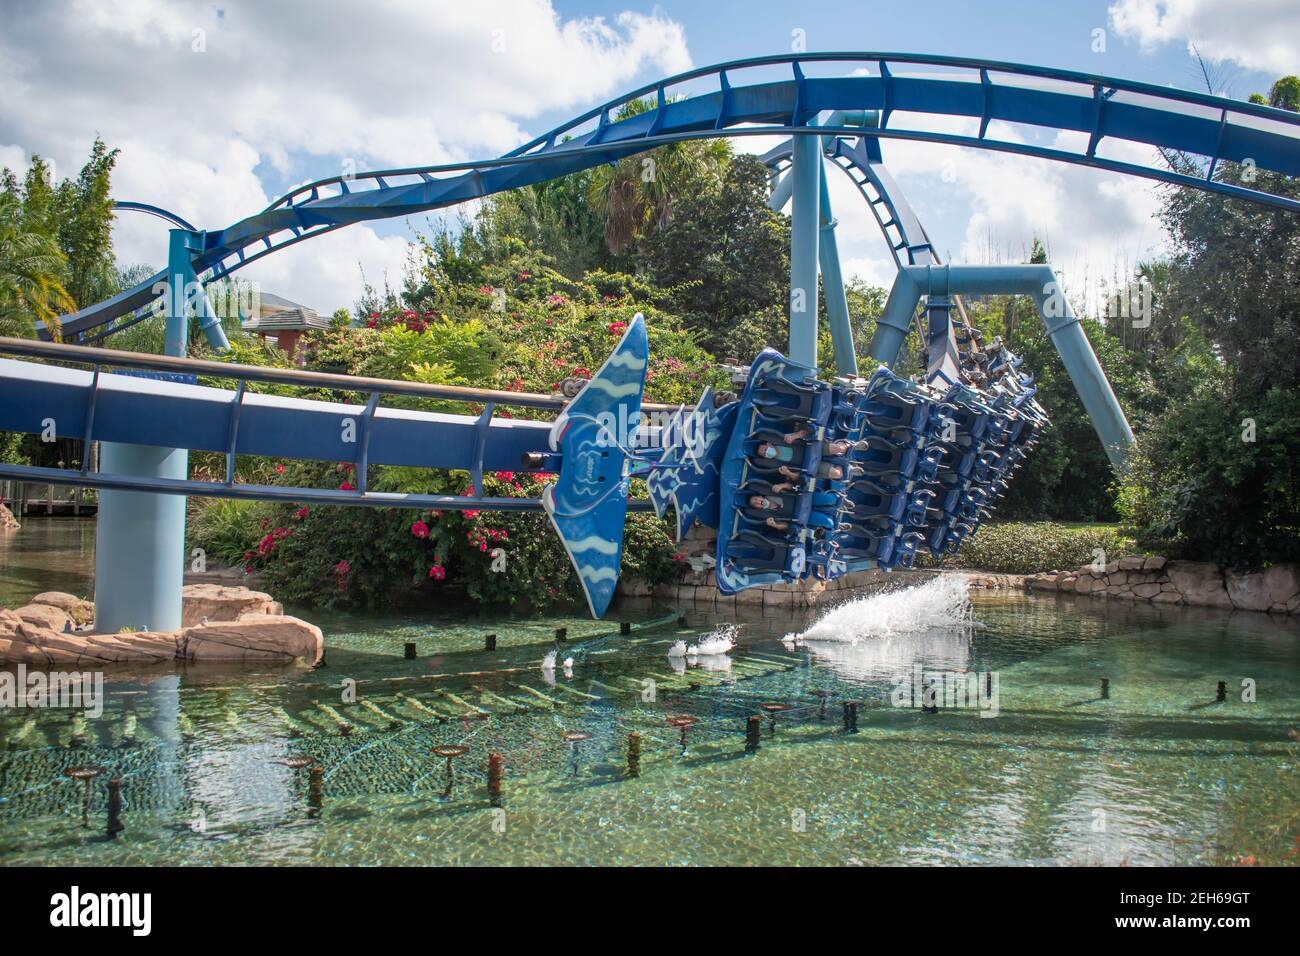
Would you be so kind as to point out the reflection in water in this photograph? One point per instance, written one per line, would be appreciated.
(881, 635)
(1180, 777)
(885, 657)
(47, 554)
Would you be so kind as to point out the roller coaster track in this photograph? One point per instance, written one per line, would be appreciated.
(1092, 111)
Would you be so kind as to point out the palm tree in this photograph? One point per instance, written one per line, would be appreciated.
(638, 192)
(31, 265)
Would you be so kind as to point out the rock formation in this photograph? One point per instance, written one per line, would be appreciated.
(218, 624)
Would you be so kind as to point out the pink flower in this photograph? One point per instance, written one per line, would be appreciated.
(342, 568)
(302, 513)
(347, 486)
(279, 469)
(437, 572)
(471, 515)
(420, 529)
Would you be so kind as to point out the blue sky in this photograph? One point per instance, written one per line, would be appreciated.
(277, 94)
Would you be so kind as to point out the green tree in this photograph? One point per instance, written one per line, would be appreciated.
(724, 262)
(83, 210)
(554, 218)
(31, 267)
(639, 194)
(1215, 475)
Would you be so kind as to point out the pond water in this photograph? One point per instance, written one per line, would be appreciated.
(1042, 770)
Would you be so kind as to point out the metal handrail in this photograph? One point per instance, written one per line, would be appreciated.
(296, 377)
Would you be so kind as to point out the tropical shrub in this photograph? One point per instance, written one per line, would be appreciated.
(1219, 480)
(374, 557)
(1031, 547)
(225, 528)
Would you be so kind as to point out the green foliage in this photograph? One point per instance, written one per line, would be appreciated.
(1235, 271)
(31, 269)
(641, 194)
(1197, 488)
(56, 242)
(649, 552)
(553, 218)
(505, 559)
(83, 210)
(1036, 546)
(341, 557)
(11, 449)
(1230, 349)
(725, 262)
(1285, 94)
(225, 528)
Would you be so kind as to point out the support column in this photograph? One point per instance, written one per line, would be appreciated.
(139, 536)
(837, 303)
(806, 177)
(1063, 328)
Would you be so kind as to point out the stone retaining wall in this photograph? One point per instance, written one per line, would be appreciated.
(1192, 583)
(699, 587)
(1151, 579)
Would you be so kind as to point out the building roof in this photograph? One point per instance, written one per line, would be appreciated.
(278, 314)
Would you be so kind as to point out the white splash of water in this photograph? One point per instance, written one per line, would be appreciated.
(548, 661)
(940, 604)
(677, 650)
(720, 641)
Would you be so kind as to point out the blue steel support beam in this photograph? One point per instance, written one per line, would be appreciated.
(804, 233)
(1039, 283)
(1214, 128)
(140, 536)
(837, 303)
(308, 496)
(168, 414)
(828, 253)
(184, 286)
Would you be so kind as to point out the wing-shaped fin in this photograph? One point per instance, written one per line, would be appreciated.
(587, 504)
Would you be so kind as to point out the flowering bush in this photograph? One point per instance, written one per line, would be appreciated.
(519, 326)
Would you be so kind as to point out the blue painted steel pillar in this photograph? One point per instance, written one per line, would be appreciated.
(180, 263)
(140, 537)
(837, 303)
(1039, 283)
(828, 256)
(805, 226)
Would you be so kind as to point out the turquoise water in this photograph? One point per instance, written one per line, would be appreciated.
(1157, 773)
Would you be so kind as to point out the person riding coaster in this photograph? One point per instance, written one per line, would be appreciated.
(777, 507)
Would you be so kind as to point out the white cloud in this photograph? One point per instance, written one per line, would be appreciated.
(1257, 34)
(210, 103)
